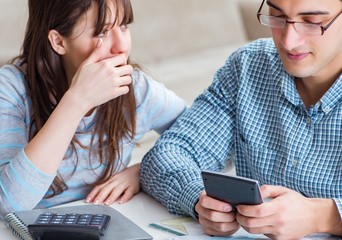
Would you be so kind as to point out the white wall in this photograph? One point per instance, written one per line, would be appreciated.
(13, 17)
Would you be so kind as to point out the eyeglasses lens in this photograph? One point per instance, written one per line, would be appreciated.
(304, 28)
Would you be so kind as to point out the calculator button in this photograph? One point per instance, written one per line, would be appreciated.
(69, 222)
(42, 222)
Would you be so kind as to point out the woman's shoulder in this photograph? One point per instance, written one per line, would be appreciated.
(12, 75)
(11, 69)
(144, 85)
(140, 78)
(13, 84)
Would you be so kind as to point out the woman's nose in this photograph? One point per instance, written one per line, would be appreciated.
(121, 40)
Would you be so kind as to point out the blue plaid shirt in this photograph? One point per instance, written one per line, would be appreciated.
(251, 113)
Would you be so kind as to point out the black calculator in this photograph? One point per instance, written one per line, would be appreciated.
(71, 226)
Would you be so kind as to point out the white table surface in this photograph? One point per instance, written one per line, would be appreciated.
(142, 210)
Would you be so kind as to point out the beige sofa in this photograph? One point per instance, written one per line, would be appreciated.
(179, 42)
(183, 43)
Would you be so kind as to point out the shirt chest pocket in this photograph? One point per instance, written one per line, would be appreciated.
(259, 161)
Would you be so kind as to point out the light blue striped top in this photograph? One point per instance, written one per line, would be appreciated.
(22, 185)
(252, 113)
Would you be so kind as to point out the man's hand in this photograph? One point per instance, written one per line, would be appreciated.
(216, 217)
(289, 215)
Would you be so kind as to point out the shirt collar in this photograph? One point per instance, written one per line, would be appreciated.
(332, 97)
(328, 102)
(289, 89)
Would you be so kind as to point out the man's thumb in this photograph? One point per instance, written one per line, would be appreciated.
(269, 191)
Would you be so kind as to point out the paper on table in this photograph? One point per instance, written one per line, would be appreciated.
(195, 232)
(247, 236)
(178, 223)
(173, 225)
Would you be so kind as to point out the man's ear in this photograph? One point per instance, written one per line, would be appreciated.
(57, 42)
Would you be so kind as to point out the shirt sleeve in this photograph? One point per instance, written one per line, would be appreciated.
(338, 202)
(157, 107)
(201, 139)
(22, 185)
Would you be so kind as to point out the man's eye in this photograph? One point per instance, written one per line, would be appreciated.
(279, 16)
(314, 22)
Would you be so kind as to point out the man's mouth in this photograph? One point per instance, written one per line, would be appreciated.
(296, 56)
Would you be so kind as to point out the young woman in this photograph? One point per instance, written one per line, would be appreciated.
(72, 107)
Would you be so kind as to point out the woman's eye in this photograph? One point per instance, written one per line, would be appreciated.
(103, 33)
(124, 27)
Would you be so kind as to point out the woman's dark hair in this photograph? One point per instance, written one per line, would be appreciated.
(47, 81)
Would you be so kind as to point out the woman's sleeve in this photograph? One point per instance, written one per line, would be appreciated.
(22, 185)
(157, 106)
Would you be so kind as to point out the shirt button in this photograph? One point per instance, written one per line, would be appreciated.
(294, 162)
(308, 120)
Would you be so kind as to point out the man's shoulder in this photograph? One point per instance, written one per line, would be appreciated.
(260, 46)
(253, 62)
(257, 53)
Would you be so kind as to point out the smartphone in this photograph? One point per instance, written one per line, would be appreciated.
(232, 189)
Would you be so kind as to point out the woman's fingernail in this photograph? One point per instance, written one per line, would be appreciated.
(96, 201)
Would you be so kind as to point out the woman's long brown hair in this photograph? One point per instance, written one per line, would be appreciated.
(47, 81)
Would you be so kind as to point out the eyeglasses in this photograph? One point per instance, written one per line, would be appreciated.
(300, 27)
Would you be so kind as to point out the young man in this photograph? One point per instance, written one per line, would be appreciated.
(275, 107)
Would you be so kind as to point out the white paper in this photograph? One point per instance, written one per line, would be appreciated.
(195, 232)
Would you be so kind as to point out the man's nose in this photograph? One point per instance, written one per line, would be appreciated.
(291, 39)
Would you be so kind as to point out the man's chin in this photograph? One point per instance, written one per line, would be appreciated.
(299, 70)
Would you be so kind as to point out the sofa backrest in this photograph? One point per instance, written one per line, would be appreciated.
(168, 28)
(162, 28)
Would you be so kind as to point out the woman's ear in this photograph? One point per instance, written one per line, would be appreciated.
(57, 42)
